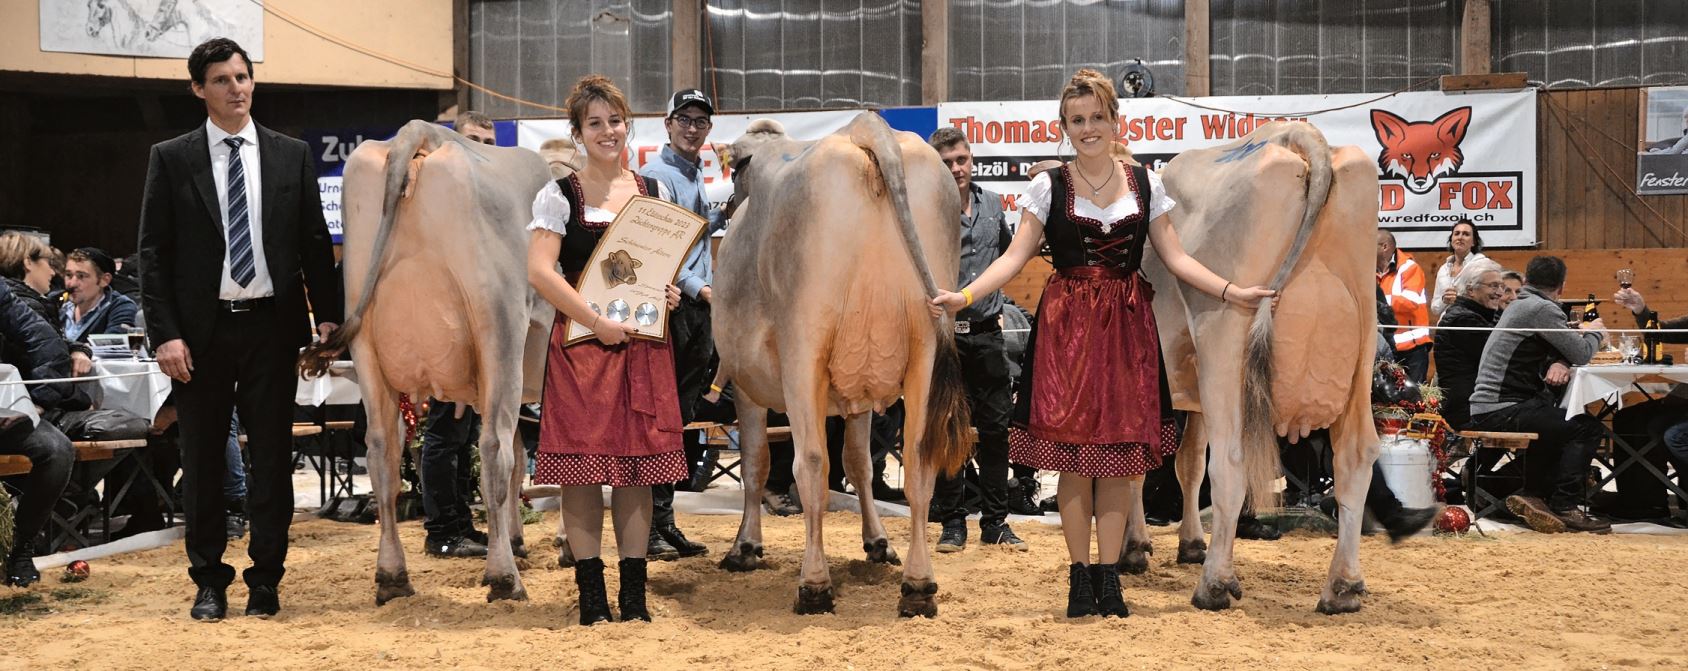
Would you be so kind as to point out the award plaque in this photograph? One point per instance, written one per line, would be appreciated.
(638, 256)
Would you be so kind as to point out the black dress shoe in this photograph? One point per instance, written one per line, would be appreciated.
(210, 604)
(457, 546)
(683, 545)
(658, 549)
(1408, 521)
(1251, 528)
(20, 570)
(264, 602)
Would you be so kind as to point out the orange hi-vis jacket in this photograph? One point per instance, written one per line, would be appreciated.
(1404, 285)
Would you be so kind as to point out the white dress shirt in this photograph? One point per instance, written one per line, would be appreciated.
(260, 285)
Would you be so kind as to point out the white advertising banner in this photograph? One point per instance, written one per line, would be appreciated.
(1440, 156)
(649, 136)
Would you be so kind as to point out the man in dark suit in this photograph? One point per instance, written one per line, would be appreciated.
(232, 235)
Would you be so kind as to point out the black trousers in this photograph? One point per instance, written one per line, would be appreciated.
(984, 365)
(693, 346)
(1557, 462)
(51, 458)
(1416, 361)
(445, 470)
(248, 364)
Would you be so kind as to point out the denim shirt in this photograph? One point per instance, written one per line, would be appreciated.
(684, 179)
(110, 315)
(984, 238)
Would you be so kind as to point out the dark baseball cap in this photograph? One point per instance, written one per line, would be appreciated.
(684, 97)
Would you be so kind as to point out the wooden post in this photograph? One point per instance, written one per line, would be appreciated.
(934, 52)
(1197, 24)
(685, 49)
(1475, 56)
(459, 56)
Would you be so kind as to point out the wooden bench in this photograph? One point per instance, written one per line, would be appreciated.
(724, 438)
(76, 527)
(1514, 443)
(14, 464)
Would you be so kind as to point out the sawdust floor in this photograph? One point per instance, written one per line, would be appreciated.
(1511, 601)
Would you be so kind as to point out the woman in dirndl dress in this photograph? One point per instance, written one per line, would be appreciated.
(610, 414)
(1092, 402)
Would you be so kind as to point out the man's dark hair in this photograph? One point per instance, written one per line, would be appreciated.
(1545, 272)
(1512, 275)
(946, 137)
(101, 260)
(472, 118)
(214, 50)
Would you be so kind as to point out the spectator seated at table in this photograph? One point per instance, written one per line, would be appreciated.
(1478, 291)
(1511, 396)
(91, 308)
(41, 355)
(1640, 495)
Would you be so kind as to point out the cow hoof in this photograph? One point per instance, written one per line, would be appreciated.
(1344, 597)
(503, 588)
(813, 600)
(1192, 552)
(389, 586)
(743, 558)
(918, 601)
(1216, 595)
(880, 552)
(565, 559)
(1135, 561)
(519, 548)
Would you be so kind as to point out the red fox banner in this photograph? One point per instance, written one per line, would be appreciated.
(1439, 156)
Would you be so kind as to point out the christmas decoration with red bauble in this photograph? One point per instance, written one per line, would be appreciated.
(76, 571)
(1452, 520)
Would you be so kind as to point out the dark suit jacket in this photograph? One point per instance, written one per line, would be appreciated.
(182, 243)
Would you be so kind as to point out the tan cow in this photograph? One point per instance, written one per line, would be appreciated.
(821, 288)
(1308, 218)
(429, 217)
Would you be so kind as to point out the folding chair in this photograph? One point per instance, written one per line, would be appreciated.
(1516, 446)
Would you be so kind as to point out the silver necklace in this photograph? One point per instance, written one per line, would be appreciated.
(1093, 188)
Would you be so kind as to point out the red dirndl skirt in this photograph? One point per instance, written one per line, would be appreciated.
(1093, 397)
(611, 414)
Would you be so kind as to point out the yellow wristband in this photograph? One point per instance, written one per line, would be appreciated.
(715, 388)
(967, 294)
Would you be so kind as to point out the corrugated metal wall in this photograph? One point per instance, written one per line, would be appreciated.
(806, 54)
(1572, 43)
(1283, 47)
(536, 49)
(1026, 49)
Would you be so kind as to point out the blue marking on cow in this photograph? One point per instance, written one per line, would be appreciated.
(1242, 152)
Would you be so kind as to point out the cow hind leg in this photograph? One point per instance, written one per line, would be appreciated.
(385, 443)
(858, 466)
(1135, 559)
(498, 464)
(1352, 461)
(746, 552)
(1219, 585)
(805, 393)
(1191, 466)
(920, 475)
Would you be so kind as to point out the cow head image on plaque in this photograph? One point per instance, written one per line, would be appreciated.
(619, 267)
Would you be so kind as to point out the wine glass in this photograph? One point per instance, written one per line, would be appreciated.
(1626, 278)
(1631, 348)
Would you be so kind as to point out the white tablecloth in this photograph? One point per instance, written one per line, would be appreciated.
(145, 394)
(16, 396)
(338, 387)
(1590, 384)
(139, 394)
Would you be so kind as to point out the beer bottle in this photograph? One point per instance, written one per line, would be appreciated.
(1589, 312)
(1652, 346)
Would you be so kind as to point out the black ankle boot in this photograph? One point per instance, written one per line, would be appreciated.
(1081, 595)
(1105, 581)
(589, 579)
(632, 594)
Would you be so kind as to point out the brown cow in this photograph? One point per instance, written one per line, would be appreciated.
(820, 309)
(1308, 217)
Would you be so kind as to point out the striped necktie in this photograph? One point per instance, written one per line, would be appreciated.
(241, 266)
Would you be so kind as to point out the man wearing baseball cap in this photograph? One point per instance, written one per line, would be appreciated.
(681, 169)
(91, 308)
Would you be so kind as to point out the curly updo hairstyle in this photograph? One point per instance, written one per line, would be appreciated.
(1088, 82)
(595, 88)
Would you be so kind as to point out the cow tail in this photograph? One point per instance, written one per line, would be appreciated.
(316, 358)
(945, 442)
(1260, 438)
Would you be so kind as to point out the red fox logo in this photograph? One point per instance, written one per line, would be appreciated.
(1419, 152)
